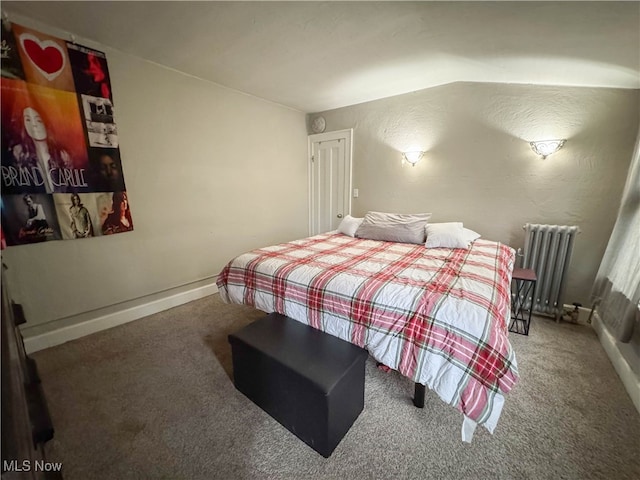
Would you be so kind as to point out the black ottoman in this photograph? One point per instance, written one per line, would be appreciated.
(309, 381)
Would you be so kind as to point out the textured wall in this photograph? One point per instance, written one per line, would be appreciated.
(479, 168)
(210, 173)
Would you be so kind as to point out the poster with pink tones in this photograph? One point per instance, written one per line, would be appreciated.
(61, 171)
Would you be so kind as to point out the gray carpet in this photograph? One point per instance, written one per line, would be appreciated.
(154, 399)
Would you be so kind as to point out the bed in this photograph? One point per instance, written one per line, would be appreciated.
(438, 316)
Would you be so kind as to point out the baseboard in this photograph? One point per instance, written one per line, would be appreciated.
(113, 319)
(629, 379)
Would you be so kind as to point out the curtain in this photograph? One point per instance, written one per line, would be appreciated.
(616, 291)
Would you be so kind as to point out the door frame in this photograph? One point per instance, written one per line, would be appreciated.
(347, 136)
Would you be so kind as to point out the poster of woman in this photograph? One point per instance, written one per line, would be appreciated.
(76, 213)
(105, 170)
(119, 220)
(43, 147)
(61, 173)
(29, 218)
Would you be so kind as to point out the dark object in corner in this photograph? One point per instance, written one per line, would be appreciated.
(309, 381)
(26, 424)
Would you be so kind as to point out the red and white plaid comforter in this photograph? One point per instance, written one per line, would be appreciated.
(439, 316)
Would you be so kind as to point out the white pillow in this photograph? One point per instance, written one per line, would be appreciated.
(446, 235)
(470, 235)
(349, 225)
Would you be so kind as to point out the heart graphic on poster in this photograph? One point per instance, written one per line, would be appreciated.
(47, 56)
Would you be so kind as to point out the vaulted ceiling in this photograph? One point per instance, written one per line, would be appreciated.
(315, 56)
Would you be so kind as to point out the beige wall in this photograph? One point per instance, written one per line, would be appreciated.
(479, 168)
(210, 173)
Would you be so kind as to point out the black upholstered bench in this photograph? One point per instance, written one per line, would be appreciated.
(309, 381)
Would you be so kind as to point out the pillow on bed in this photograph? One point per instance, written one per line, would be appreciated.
(446, 235)
(394, 227)
(349, 225)
(470, 235)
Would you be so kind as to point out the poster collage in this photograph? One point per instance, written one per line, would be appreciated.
(62, 175)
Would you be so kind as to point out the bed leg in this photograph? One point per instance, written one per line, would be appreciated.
(418, 398)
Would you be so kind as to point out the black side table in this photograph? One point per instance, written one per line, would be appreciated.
(524, 280)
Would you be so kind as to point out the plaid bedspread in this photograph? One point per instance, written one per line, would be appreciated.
(438, 316)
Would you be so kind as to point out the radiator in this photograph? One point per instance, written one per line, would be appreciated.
(547, 251)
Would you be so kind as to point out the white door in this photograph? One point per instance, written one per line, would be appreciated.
(329, 180)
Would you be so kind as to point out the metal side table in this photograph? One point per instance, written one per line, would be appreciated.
(523, 287)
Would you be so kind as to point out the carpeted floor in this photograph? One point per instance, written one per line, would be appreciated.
(154, 399)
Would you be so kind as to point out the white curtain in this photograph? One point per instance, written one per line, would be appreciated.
(616, 290)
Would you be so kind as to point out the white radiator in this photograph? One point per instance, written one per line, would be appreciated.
(547, 251)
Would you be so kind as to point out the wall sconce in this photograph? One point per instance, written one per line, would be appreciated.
(413, 157)
(544, 148)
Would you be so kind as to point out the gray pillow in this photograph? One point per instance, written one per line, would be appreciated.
(394, 227)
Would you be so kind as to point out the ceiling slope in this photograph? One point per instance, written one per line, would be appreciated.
(315, 56)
